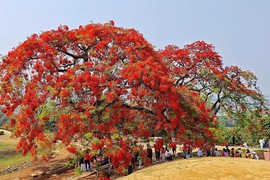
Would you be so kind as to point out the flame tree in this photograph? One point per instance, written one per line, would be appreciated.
(108, 87)
(228, 91)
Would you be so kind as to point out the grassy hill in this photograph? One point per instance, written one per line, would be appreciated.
(205, 169)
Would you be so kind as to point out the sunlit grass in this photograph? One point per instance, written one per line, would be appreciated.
(10, 156)
(204, 169)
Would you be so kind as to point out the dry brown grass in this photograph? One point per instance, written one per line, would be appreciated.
(215, 168)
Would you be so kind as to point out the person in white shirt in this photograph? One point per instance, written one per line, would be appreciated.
(163, 158)
(261, 142)
(245, 144)
(200, 153)
(254, 155)
(140, 162)
(168, 155)
(217, 152)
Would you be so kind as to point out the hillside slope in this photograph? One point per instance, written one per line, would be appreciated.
(206, 168)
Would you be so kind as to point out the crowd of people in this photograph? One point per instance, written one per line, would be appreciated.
(227, 152)
(243, 151)
(86, 161)
(159, 153)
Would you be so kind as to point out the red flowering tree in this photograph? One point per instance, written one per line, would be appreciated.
(102, 84)
(229, 90)
(200, 68)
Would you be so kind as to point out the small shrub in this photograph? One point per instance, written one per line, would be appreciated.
(260, 153)
(261, 150)
(71, 163)
(78, 171)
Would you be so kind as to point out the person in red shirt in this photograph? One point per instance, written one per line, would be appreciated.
(232, 152)
(107, 177)
(87, 161)
(173, 146)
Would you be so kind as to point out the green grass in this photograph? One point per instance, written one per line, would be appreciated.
(7, 145)
(9, 156)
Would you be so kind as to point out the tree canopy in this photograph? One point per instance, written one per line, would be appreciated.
(108, 87)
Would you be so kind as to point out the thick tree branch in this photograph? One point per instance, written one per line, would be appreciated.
(217, 101)
(207, 95)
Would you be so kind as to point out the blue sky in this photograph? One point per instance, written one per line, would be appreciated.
(239, 29)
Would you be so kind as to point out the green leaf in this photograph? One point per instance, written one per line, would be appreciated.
(88, 136)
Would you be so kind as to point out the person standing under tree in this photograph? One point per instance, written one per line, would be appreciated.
(149, 152)
(157, 153)
(233, 140)
(245, 144)
(87, 161)
(261, 142)
(163, 154)
(140, 161)
(199, 153)
(173, 146)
